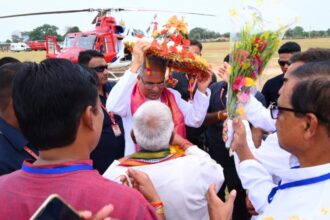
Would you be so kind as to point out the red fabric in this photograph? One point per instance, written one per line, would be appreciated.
(137, 99)
(22, 193)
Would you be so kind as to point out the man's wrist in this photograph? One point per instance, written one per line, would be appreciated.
(135, 68)
(221, 116)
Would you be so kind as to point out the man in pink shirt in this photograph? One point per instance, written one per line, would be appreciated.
(58, 109)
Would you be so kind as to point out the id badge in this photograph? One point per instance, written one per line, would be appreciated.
(116, 129)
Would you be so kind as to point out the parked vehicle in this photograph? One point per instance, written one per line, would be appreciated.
(37, 45)
(19, 47)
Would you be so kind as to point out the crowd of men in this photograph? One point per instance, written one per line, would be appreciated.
(160, 146)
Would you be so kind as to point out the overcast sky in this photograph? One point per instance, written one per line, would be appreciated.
(313, 14)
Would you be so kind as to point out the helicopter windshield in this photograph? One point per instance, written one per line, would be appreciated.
(68, 41)
(86, 41)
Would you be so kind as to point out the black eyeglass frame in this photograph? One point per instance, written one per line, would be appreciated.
(282, 62)
(274, 108)
(100, 69)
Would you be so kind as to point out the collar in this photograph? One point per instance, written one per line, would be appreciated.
(13, 135)
(303, 177)
(146, 154)
(59, 168)
(303, 173)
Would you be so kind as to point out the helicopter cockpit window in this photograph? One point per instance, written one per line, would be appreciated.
(68, 41)
(86, 41)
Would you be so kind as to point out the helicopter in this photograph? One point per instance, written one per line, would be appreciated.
(106, 37)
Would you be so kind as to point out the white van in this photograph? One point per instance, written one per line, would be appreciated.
(19, 47)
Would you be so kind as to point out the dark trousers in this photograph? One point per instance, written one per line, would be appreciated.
(220, 154)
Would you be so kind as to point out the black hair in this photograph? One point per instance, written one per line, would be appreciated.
(196, 43)
(312, 70)
(49, 99)
(227, 58)
(155, 62)
(5, 60)
(311, 55)
(7, 74)
(86, 56)
(315, 99)
(312, 92)
(289, 47)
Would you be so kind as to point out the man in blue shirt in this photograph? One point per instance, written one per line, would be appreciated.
(14, 147)
(112, 143)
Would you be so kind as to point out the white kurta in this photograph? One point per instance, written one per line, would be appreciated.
(181, 183)
(273, 159)
(258, 115)
(119, 102)
(303, 202)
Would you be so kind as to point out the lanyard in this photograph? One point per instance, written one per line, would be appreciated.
(191, 86)
(29, 151)
(296, 184)
(57, 170)
(112, 117)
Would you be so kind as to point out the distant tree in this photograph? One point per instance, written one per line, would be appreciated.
(321, 33)
(226, 35)
(328, 32)
(298, 31)
(40, 32)
(313, 34)
(201, 33)
(72, 29)
(289, 33)
(8, 41)
(196, 33)
(15, 37)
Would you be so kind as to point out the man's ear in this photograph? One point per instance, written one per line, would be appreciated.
(133, 137)
(87, 117)
(311, 125)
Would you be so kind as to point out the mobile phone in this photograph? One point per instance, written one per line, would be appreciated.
(55, 208)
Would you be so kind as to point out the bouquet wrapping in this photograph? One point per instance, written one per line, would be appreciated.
(251, 49)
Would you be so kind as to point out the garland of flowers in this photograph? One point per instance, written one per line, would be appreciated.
(172, 43)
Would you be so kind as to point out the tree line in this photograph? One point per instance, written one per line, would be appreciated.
(296, 32)
(39, 33)
(198, 33)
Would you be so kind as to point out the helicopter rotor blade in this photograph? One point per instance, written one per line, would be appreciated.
(102, 12)
(50, 12)
(169, 11)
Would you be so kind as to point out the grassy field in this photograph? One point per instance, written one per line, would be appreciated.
(213, 52)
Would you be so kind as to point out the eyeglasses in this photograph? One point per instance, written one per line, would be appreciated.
(150, 85)
(282, 62)
(100, 68)
(275, 110)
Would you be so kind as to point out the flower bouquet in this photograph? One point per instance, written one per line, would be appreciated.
(171, 43)
(251, 50)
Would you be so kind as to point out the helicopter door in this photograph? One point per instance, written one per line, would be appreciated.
(109, 49)
(52, 47)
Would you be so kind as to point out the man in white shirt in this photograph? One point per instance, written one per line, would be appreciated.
(144, 81)
(270, 154)
(303, 107)
(181, 181)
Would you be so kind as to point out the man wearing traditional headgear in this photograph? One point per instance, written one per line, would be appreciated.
(144, 81)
